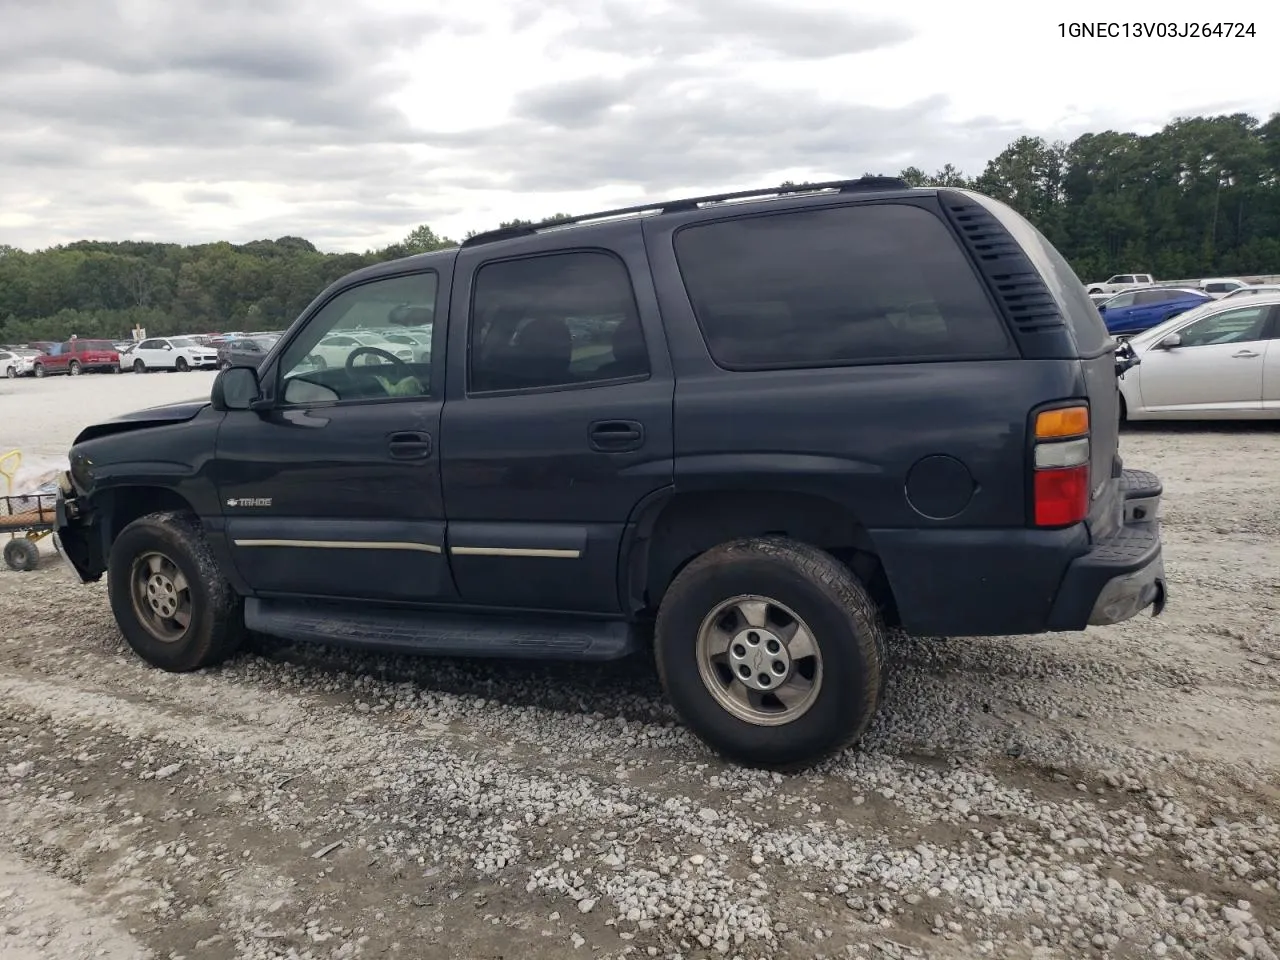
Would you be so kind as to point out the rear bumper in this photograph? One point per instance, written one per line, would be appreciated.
(1023, 581)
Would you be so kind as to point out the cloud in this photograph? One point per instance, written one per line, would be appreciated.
(244, 119)
(688, 27)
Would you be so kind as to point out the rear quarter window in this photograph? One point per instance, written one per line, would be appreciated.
(865, 283)
(1085, 323)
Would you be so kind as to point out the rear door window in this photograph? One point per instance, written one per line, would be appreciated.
(864, 283)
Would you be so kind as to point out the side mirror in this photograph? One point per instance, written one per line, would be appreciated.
(1171, 341)
(235, 388)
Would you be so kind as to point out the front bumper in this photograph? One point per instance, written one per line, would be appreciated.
(79, 534)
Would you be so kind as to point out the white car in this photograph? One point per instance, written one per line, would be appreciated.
(171, 353)
(17, 363)
(334, 349)
(1219, 287)
(1220, 361)
(420, 344)
(1121, 282)
(1251, 290)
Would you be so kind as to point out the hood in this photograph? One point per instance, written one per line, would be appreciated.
(150, 417)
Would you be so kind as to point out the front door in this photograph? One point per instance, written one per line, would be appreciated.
(1218, 364)
(558, 422)
(333, 489)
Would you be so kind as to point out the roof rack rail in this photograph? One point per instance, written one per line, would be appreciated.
(690, 203)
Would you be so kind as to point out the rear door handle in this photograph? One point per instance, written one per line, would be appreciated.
(1245, 355)
(410, 445)
(613, 436)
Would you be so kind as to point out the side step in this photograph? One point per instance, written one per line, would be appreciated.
(440, 633)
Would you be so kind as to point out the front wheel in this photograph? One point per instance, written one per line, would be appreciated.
(182, 365)
(771, 651)
(172, 605)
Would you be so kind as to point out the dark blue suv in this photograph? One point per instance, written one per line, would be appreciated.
(745, 435)
(1136, 310)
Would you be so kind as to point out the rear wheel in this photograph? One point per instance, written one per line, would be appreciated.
(771, 651)
(139, 366)
(168, 596)
(10, 372)
(21, 554)
(74, 369)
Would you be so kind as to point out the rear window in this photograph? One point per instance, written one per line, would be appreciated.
(836, 285)
(95, 345)
(1086, 324)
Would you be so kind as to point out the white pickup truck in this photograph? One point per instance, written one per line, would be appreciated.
(1121, 282)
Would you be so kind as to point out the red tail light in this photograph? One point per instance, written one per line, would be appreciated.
(1062, 496)
(1060, 466)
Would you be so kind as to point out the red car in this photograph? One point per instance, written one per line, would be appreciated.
(78, 356)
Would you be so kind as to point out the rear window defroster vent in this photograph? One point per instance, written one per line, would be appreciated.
(1007, 269)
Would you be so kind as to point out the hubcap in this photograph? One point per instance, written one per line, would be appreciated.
(161, 597)
(759, 660)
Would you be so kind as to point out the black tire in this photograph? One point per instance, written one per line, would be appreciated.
(215, 629)
(21, 554)
(846, 626)
(181, 365)
(74, 369)
(10, 372)
(139, 366)
(38, 370)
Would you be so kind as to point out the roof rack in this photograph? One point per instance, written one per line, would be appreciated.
(691, 203)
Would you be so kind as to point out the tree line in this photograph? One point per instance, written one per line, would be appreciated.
(1200, 197)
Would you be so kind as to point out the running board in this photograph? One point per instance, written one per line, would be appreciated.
(440, 633)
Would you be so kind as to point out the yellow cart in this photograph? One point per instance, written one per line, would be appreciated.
(27, 519)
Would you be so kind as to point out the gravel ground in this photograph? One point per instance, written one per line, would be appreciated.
(1113, 793)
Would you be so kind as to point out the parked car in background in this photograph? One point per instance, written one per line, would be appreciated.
(172, 353)
(19, 362)
(1121, 281)
(336, 349)
(78, 356)
(1218, 362)
(244, 351)
(1218, 287)
(419, 343)
(1251, 290)
(1136, 310)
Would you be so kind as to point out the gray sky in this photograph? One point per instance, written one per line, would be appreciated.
(349, 124)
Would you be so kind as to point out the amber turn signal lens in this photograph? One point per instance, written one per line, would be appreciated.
(1063, 422)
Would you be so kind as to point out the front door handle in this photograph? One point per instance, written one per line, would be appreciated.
(410, 445)
(615, 436)
(1245, 355)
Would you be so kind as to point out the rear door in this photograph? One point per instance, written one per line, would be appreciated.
(152, 354)
(1271, 366)
(558, 419)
